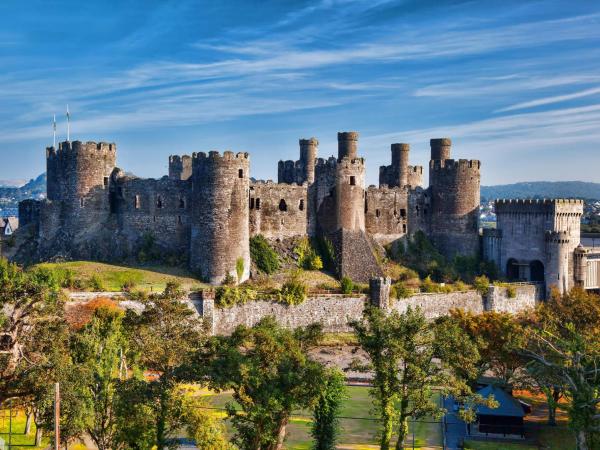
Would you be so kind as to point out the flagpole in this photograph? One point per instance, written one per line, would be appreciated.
(68, 125)
(54, 131)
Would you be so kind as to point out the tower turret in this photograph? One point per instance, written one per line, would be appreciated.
(440, 148)
(580, 266)
(308, 157)
(400, 153)
(180, 167)
(350, 194)
(347, 144)
(220, 216)
(454, 214)
(557, 257)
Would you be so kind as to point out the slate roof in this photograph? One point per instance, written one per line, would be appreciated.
(508, 405)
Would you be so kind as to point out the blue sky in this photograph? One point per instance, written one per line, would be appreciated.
(515, 83)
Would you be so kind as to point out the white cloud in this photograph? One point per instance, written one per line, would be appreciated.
(550, 100)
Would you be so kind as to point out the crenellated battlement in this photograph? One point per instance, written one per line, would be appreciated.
(416, 169)
(347, 163)
(448, 165)
(78, 147)
(178, 159)
(227, 155)
(330, 162)
(538, 201)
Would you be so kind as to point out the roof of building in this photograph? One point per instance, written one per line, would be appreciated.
(13, 221)
(507, 404)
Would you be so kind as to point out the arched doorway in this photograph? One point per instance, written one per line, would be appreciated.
(536, 271)
(512, 270)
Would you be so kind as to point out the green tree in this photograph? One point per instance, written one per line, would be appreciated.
(263, 255)
(31, 323)
(207, 430)
(325, 429)
(268, 369)
(164, 337)
(99, 351)
(409, 357)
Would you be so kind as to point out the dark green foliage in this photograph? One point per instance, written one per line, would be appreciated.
(325, 429)
(326, 251)
(482, 284)
(263, 255)
(308, 258)
(268, 369)
(400, 290)
(347, 285)
(239, 268)
(149, 251)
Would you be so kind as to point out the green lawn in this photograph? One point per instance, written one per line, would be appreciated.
(20, 441)
(113, 277)
(358, 429)
(477, 445)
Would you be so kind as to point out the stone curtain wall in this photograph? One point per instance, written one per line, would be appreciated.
(335, 312)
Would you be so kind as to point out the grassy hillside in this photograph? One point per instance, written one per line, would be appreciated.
(99, 276)
(543, 189)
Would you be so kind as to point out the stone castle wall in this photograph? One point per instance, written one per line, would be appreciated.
(180, 167)
(278, 211)
(386, 213)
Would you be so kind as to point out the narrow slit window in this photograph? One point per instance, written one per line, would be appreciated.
(181, 203)
(241, 173)
(402, 213)
(251, 203)
(81, 202)
(159, 202)
(301, 206)
(352, 181)
(136, 202)
(257, 203)
(282, 205)
(105, 181)
(377, 213)
(404, 228)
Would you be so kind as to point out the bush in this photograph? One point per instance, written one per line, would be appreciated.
(95, 283)
(228, 296)
(327, 252)
(148, 251)
(308, 259)
(482, 284)
(263, 255)
(239, 268)
(128, 285)
(511, 291)
(346, 285)
(228, 280)
(173, 290)
(293, 291)
(427, 285)
(400, 290)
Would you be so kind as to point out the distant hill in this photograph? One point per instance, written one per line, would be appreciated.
(34, 188)
(543, 189)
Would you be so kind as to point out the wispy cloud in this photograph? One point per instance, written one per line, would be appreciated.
(551, 100)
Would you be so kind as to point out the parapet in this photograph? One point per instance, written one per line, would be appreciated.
(313, 141)
(216, 156)
(348, 136)
(89, 147)
(401, 147)
(440, 148)
(347, 144)
(347, 162)
(539, 206)
(453, 165)
(416, 169)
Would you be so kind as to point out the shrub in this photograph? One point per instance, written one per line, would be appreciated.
(482, 284)
(293, 291)
(327, 252)
(347, 285)
(128, 285)
(400, 290)
(511, 291)
(460, 286)
(239, 268)
(263, 255)
(95, 283)
(148, 251)
(228, 280)
(427, 285)
(308, 258)
(173, 290)
(228, 296)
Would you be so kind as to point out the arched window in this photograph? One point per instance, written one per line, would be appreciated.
(282, 205)
(301, 205)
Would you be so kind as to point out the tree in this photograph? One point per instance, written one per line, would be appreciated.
(325, 428)
(207, 430)
(270, 373)
(564, 345)
(164, 337)
(409, 357)
(99, 352)
(498, 336)
(31, 324)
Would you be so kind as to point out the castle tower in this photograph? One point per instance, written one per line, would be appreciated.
(580, 266)
(220, 216)
(347, 144)
(440, 148)
(455, 196)
(557, 261)
(350, 194)
(78, 170)
(400, 154)
(180, 167)
(308, 157)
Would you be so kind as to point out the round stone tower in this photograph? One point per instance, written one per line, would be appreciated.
(557, 261)
(455, 196)
(440, 148)
(350, 194)
(78, 171)
(400, 155)
(347, 144)
(220, 215)
(308, 157)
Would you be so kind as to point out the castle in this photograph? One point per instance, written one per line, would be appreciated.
(208, 207)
